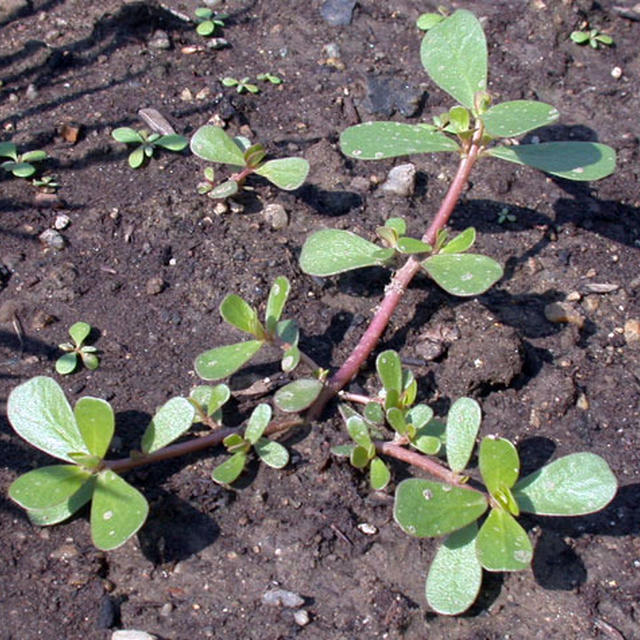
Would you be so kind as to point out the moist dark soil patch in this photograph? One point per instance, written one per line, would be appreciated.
(199, 567)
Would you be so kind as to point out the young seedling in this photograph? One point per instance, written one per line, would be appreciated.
(147, 143)
(240, 85)
(429, 20)
(213, 144)
(208, 21)
(592, 37)
(77, 351)
(47, 184)
(269, 77)
(20, 164)
(505, 216)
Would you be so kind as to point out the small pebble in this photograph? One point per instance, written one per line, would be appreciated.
(582, 402)
(52, 239)
(64, 552)
(235, 207)
(574, 296)
(561, 312)
(160, 40)
(186, 95)
(632, 332)
(282, 598)
(616, 73)
(401, 180)
(61, 222)
(276, 216)
(154, 286)
(31, 93)
(367, 529)
(166, 609)
(301, 616)
(220, 208)
(203, 94)
(218, 43)
(337, 13)
(132, 634)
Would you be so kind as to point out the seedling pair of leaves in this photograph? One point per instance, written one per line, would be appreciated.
(454, 54)
(576, 484)
(271, 453)
(331, 251)
(592, 37)
(40, 413)
(20, 164)
(215, 145)
(147, 143)
(77, 351)
(208, 21)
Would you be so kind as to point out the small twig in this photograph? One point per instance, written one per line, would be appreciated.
(358, 398)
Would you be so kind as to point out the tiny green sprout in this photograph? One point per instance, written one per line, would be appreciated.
(240, 85)
(208, 21)
(147, 142)
(506, 216)
(215, 145)
(47, 184)
(20, 164)
(269, 77)
(77, 351)
(592, 37)
(427, 21)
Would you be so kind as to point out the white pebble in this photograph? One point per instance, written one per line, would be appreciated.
(301, 617)
(367, 529)
(131, 634)
(616, 73)
(282, 598)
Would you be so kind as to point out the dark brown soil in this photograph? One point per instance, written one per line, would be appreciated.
(199, 567)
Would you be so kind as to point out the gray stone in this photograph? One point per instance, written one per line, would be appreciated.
(276, 216)
(401, 180)
(337, 13)
(52, 239)
(388, 94)
(282, 598)
(160, 40)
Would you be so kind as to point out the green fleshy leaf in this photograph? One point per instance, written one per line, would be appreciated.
(502, 544)
(223, 361)
(210, 399)
(389, 370)
(174, 418)
(412, 245)
(118, 510)
(373, 412)
(86, 460)
(580, 37)
(258, 422)
(224, 190)
(454, 54)
(272, 453)
(34, 156)
(359, 457)
(455, 574)
(67, 363)
(297, 395)
(343, 450)
(332, 251)
(48, 486)
(397, 224)
(39, 412)
(127, 135)
(230, 469)
(288, 332)
(395, 417)
(173, 142)
(235, 442)
(580, 161)
(59, 512)
(254, 155)
(205, 28)
(379, 474)
(285, 173)
(96, 423)
(461, 242)
(22, 169)
(427, 444)
(427, 509)
(275, 303)
(239, 313)
(463, 422)
(378, 140)
(574, 485)
(499, 463)
(427, 21)
(89, 360)
(8, 150)
(419, 416)
(463, 274)
(213, 144)
(136, 157)
(290, 359)
(359, 431)
(516, 117)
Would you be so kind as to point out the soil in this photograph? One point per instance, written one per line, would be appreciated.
(147, 261)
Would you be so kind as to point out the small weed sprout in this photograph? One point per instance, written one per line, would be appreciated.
(242, 85)
(20, 164)
(46, 184)
(269, 77)
(506, 216)
(592, 37)
(77, 351)
(208, 21)
(147, 143)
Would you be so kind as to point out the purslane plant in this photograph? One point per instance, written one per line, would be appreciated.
(77, 351)
(208, 21)
(391, 425)
(213, 144)
(147, 142)
(20, 164)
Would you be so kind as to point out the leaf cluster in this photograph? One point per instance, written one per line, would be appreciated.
(208, 21)
(215, 145)
(592, 37)
(20, 164)
(147, 143)
(77, 351)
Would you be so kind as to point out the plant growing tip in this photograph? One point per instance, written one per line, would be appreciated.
(77, 351)
(208, 21)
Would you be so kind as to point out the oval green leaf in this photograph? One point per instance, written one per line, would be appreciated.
(210, 399)
(89, 359)
(297, 395)
(290, 359)
(332, 251)
(223, 361)
(389, 370)
(502, 544)
(412, 245)
(454, 54)
(285, 173)
(427, 509)
(39, 412)
(258, 422)
(461, 242)
(96, 423)
(67, 363)
(379, 474)
(136, 157)
(419, 416)
(239, 313)
(213, 144)
(223, 190)
(463, 422)
(118, 510)
(359, 431)
(359, 457)
(127, 135)
(22, 169)
(272, 453)
(516, 117)
(455, 575)
(574, 485)
(230, 469)
(580, 161)
(170, 421)
(59, 512)
(37, 155)
(275, 302)
(48, 486)
(378, 140)
(173, 142)
(499, 463)
(463, 274)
